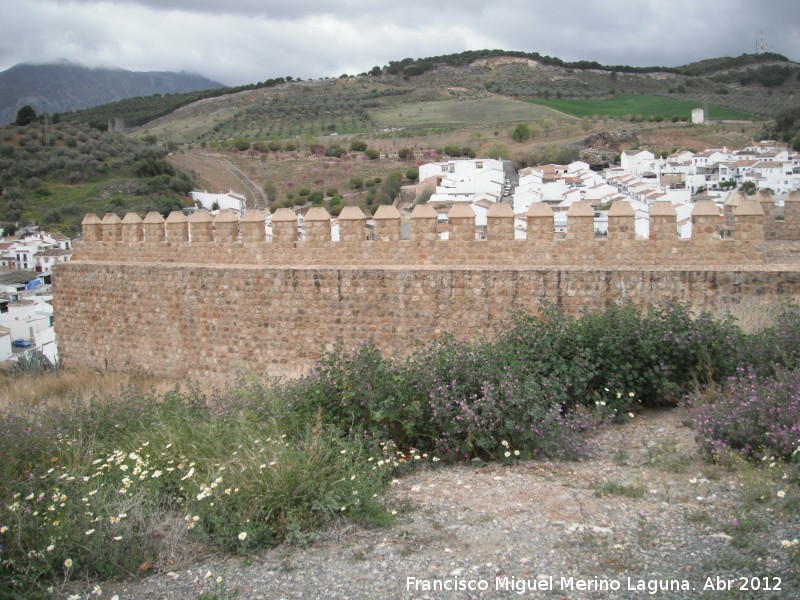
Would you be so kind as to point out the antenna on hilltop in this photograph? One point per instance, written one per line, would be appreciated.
(761, 46)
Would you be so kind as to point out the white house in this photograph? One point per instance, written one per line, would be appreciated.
(38, 251)
(637, 162)
(210, 201)
(6, 350)
(464, 180)
(780, 177)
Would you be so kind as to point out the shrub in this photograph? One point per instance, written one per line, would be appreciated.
(756, 417)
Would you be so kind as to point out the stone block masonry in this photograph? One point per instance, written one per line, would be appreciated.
(164, 297)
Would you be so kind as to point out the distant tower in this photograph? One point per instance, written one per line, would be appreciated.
(761, 46)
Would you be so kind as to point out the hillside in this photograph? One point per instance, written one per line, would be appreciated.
(62, 87)
(413, 98)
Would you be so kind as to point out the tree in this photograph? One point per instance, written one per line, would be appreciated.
(358, 146)
(521, 133)
(25, 115)
(497, 150)
(749, 188)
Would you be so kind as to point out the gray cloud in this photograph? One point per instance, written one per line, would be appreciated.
(243, 41)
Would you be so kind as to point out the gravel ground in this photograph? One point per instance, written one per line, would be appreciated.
(645, 511)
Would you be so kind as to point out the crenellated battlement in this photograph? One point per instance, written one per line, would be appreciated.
(733, 236)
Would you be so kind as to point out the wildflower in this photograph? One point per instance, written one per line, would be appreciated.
(781, 494)
(242, 536)
(208, 574)
(631, 394)
(97, 591)
(786, 543)
(631, 415)
(68, 563)
(4, 528)
(504, 443)
(516, 452)
(507, 454)
(228, 491)
(220, 579)
(117, 538)
(89, 531)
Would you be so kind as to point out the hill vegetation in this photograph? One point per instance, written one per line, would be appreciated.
(53, 179)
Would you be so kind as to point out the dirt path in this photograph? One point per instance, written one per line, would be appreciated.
(215, 173)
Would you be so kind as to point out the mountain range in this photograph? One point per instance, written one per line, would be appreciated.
(64, 86)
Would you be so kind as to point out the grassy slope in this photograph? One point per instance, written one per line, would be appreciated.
(629, 105)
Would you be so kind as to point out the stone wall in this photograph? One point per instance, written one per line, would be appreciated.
(196, 296)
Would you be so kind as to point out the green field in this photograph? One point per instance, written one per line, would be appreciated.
(630, 105)
(461, 113)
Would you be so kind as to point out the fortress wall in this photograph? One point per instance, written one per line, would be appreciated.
(202, 319)
(200, 296)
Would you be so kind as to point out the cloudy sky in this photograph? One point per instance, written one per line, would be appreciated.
(246, 41)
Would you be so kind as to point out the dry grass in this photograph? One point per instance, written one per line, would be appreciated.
(81, 384)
